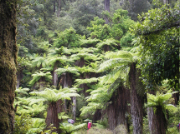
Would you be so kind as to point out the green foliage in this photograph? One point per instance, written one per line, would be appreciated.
(85, 81)
(158, 41)
(108, 42)
(22, 124)
(86, 69)
(89, 42)
(67, 69)
(68, 39)
(126, 40)
(37, 76)
(39, 61)
(32, 110)
(38, 125)
(70, 128)
(161, 100)
(53, 95)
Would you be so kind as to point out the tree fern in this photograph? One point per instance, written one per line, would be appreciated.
(60, 51)
(19, 91)
(62, 60)
(39, 61)
(85, 81)
(38, 75)
(86, 69)
(34, 109)
(67, 69)
(85, 56)
(89, 42)
(160, 100)
(108, 42)
(53, 95)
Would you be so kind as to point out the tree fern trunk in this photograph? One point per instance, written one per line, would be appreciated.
(52, 116)
(8, 56)
(74, 108)
(118, 108)
(19, 77)
(55, 76)
(136, 101)
(152, 121)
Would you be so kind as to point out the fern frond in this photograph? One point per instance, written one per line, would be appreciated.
(71, 70)
(22, 90)
(38, 126)
(53, 95)
(38, 75)
(90, 108)
(109, 42)
(113, 64)
(89, 42)
(85, 69)
(85, 81)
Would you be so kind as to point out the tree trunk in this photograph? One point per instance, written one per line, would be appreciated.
(118, 108)
(107, 8)
(161, 121)
(106, 48)
(74, 108)
(59, 8)
(52, 116)
(54, 2)
(152, 121)
(19, 77)
(55, 76)
(136, 101)
(8, 56)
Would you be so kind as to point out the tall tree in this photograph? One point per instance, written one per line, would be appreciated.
(8, 56)
(107, 8)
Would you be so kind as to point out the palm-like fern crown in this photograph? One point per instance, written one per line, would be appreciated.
(97, 100)
(60, 51)
(88, 42)
(53, 95)
(85, 81)
(20, 91)
(32, 109)
(85, 56)
(160, 100)
(117, 67)
(39, 61)
(86, 69)
(67, 69)
(108, 42)
(39, 75)
(62, 60)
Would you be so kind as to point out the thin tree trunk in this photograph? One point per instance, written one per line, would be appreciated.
(55, 76)
(65, 85)
(19, 77)
(8, 57)
(74, 108)
(59, 8)
(107, 8)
